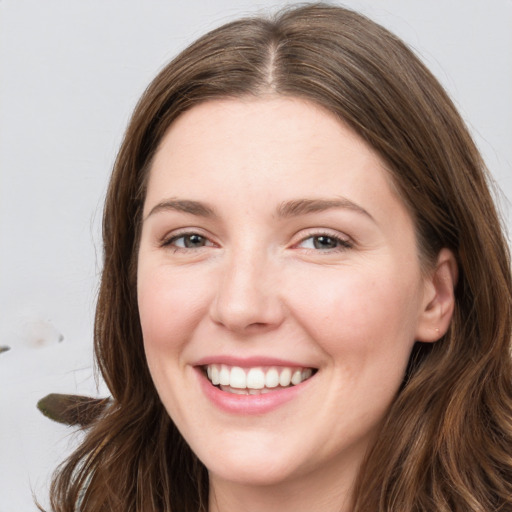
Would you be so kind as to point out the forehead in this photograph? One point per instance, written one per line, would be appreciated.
(277, 148)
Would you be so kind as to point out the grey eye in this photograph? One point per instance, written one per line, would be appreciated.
(189, 241)
(325, 242)
(322, 242)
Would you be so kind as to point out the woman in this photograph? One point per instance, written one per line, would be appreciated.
(305, 301)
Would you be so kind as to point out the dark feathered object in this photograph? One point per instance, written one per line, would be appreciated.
(72, 409)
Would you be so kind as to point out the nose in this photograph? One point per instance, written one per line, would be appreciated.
(248, 296)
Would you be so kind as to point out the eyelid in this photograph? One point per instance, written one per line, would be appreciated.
(169, 238)
(345, 241)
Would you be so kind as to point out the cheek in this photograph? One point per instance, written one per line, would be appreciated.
(358, 314)
(170, 305)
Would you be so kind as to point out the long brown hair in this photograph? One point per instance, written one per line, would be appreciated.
(446, 444)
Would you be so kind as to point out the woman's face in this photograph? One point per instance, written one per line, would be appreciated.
(276, 261)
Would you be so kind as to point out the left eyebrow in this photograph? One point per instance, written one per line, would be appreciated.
(298, 207)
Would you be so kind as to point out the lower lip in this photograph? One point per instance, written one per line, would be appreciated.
(249, 404)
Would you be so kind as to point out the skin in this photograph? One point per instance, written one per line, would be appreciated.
(259, 282)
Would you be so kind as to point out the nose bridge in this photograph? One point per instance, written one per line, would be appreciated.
(247, 295)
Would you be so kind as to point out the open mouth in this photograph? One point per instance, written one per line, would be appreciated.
(256, 380)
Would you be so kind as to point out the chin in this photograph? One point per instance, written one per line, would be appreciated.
(246, 466)
(248, 474)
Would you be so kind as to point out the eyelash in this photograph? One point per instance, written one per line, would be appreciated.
(168, 242)
(341, 244)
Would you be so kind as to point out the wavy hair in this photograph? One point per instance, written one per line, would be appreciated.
(446, 442)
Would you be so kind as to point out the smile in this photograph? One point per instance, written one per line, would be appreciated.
(257, 380)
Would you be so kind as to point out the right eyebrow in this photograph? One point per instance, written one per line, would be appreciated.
(182, 205)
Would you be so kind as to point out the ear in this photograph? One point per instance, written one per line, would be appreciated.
(439, 299)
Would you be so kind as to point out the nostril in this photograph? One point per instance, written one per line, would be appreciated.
(247, 316)
(247, 298)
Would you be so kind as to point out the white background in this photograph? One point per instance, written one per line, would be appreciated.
(70, 74)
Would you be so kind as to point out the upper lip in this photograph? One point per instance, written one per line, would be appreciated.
(249, 362)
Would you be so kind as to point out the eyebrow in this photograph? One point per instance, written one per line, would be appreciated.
(299, 207)
(183, 205)
(293, 208)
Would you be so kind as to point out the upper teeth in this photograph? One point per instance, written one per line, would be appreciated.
(256, 378)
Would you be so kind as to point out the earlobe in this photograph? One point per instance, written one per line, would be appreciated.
(439, 299)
